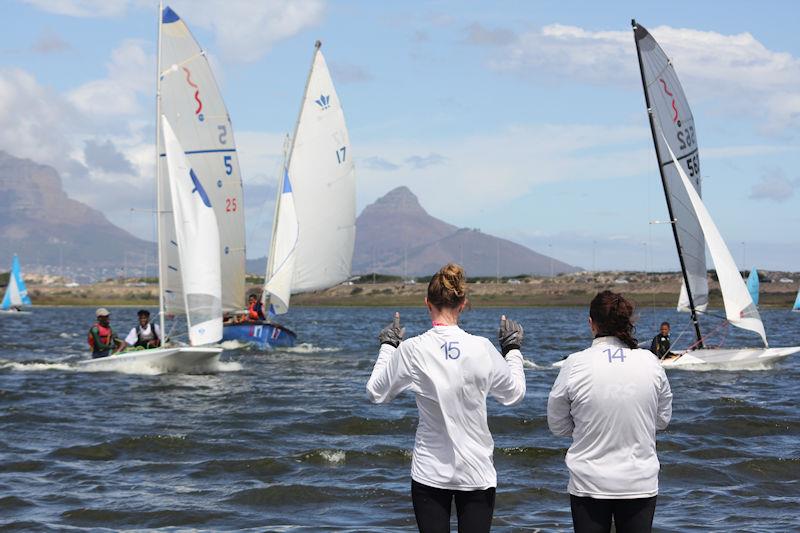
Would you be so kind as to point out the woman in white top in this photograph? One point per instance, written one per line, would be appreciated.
(451, 372)
(611, 398)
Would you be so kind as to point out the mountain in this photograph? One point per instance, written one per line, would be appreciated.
(395, 235)
(44, 226)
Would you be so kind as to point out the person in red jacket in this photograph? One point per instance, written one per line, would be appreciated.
(102, 339)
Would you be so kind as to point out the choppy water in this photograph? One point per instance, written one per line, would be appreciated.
(287, 439)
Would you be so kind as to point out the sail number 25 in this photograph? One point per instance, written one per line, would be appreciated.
(231, 205)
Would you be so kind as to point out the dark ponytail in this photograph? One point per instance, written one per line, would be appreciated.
(612, 315)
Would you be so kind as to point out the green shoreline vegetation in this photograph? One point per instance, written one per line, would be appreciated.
(376, 290)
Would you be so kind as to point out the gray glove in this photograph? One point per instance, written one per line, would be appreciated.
(509, 335)
(393, 333)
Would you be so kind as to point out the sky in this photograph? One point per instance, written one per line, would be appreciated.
(523, 119)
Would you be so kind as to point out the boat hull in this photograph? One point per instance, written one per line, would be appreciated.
(264, 335)
(182, 359)
(4, 312)
(724, 358)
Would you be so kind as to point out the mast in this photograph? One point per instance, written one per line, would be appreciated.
(159, 203)
(666, 192)
(286, 160)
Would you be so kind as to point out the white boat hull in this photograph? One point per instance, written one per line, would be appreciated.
(182, 359)
(729, 358)
(724, 358)
(4, 312)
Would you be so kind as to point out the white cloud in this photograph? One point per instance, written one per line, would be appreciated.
(84, 8)
(249, 29)
(774, 186)
(735, 73)
(130, 76)
(243, 30)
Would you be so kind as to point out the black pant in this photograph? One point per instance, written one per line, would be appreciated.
(432, 509)
(593, 515)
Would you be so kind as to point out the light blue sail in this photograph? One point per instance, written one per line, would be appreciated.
(16, 292)
(752, 285)
(797, 302)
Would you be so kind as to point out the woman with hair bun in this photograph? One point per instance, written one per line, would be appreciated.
(451, 372)
(611, 398)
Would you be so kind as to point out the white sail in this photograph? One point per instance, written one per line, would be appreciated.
(322, 175)
(197, 238)
(671, 113)
(282, 257)
(683, 301)
(191, 101)
(739, 307)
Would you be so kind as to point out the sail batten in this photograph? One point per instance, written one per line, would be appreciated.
(190, 99)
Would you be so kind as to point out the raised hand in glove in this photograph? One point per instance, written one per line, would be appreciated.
(393, 333)
(509, 335)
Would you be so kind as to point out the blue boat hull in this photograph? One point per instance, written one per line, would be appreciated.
(265, 335)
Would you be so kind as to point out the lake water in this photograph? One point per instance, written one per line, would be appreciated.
(287, 440)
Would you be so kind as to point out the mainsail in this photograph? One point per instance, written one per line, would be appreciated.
(16, 293)
(197, 238)
(739, 307)
(752, 285)
(669, 111)
(191, 101)
(313, 249)
(796, 306)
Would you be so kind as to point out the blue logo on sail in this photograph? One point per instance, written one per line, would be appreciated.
(198, 188)
(324, 101)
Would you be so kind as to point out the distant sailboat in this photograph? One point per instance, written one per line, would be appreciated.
(675, 142)
(752, 286)
(197, 189)
(16, 294)
(796, 306)
(313, 232)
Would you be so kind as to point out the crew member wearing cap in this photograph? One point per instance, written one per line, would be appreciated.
(102, 339)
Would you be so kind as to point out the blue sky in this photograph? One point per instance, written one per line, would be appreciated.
(523, 119)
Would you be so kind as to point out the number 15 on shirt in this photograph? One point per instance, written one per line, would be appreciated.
(451, 350)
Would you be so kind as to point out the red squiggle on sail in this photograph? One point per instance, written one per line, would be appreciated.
(674, 108)
(196, 92)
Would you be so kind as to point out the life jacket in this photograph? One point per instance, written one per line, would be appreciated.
(104, 334)
(252, 312)
(146, 337)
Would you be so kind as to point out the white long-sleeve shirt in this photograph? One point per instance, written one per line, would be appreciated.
(451, 372)
(611, 400)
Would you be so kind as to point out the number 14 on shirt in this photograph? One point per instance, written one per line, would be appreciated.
(618, 354)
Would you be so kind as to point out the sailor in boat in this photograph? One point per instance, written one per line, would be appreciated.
(611, 399)
(145, 335)
(102, 339)
(452, 373)
(661, 343)
(255, 309)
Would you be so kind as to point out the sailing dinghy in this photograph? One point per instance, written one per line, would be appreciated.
(752, 285)
(16, 294)
(796, 306)
(198, 190)
(675, 142)
(313, 232)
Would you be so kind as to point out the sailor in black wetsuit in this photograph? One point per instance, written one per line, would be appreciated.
(661, 345)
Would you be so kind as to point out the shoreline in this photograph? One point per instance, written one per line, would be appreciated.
(645, 289)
